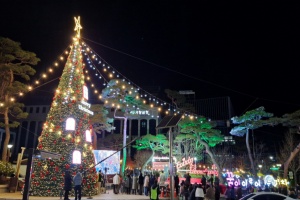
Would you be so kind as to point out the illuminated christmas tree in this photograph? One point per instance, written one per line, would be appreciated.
(67, 132)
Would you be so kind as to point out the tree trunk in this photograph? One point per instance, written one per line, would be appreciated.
(287, 162)
(149, 159)
(7, 134)
(249, 153)
(212, 158)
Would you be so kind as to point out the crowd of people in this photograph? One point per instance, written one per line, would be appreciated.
(150, 185)
(136, 184)
(208, 189)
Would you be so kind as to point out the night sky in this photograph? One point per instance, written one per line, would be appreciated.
(247, 50)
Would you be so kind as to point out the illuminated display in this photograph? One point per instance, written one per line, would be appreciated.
(112, 163)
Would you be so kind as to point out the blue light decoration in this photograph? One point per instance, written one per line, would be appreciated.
(112, 164)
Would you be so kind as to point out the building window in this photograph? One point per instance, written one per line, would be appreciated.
(88, 136)
(143, 129)
(134, 127)
(70, 124)
(76, 157)
(143, 124)
(37, 109)
(30, 109)
(44, 110)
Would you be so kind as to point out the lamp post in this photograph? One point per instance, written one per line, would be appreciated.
(195, 163)
(9, 146)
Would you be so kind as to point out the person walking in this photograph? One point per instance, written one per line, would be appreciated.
(192, 195)
(67, 184)
(134, 184)
(199, 194)
(176, 184)
(188, 179)
(232, 193)
(151, 180)
(141, 183)
(146, 184)
(154, 191)
(239, 192)
(128, 184)
(211, 180)
(77, 185)
(227, 193)
(116, 183)
(210, 193)
(217, 191)
(203, 182)
(100, 180)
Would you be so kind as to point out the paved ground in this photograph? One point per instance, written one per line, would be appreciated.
(109, 195)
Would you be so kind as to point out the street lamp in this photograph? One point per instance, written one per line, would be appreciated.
(9, 146)
(195, 163)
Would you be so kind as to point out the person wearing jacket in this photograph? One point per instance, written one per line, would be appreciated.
(141, 183)
(116, 183)
(67, 184)
(77, 185)
(210, 193)
(192, 195)
(134, 184)
(146, 184)
(199, 194)
(154, 191)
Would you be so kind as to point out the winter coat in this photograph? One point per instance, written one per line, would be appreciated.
(199, 192)
(116, 179)
(210, 193)
(146, 181)
(127, 182)
(77, 179)
(68, 181)
(192, 194)
(141, 179)
(134, 183)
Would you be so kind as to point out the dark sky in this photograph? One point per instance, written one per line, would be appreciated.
(247, 50)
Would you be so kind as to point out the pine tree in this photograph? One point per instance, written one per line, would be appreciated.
(15, 65)
(252, 119)
(67, 130)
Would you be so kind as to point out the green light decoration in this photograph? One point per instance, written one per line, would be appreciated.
(252, 119)
(274, 168)
(155, 143)
(47, 178)
(205, 134)
(122, 96)
(185, 147)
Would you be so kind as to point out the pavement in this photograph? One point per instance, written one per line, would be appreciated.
(108, 195)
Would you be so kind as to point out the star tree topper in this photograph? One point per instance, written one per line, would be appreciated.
(77, 26)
